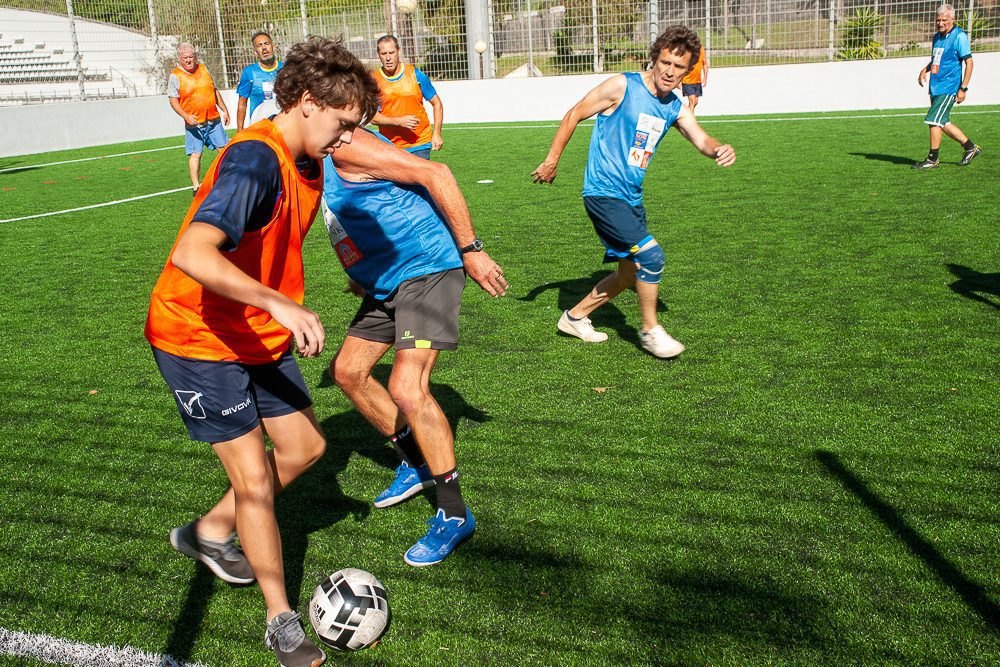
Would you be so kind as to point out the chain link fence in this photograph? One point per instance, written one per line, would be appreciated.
(85, 49)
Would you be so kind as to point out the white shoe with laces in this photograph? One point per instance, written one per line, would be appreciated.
(581, 328)
(660, 344)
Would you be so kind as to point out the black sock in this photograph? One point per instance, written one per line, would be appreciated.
(449, 495)
(933, 155)
(969, 145)
(407, 447)
(571, 318)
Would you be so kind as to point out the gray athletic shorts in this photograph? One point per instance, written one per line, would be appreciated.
(422, 313)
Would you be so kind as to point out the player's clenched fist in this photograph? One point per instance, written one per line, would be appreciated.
(725, 155)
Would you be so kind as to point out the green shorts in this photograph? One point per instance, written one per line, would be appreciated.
(940, 113)
(421, 313)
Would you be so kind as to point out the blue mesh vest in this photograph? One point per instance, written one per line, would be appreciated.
(623, 143)
(385, 234)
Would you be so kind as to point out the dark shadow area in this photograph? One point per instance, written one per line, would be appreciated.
(975, 285)
(607, 316)
(894, 159)
(973, 594)
(188, 623)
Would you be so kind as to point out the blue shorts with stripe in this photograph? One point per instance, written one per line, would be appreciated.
(940, 113)
(620, 226)
(210, 133)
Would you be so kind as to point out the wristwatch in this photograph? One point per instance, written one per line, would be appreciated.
(964, 89)
(475, 246)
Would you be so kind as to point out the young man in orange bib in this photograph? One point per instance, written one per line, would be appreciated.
(402, 118)
(194, 97)
(226, 308)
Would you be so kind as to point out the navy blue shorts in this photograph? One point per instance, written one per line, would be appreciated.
(222, 400)
(689, 89)
(620, 226)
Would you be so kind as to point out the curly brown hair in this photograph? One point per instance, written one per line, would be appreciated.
(677, 39)
(331, 74)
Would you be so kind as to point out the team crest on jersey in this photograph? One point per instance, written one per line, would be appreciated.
(648, 131)
(347, 252)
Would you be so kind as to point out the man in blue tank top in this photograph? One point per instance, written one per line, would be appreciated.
(402, 230)
(950, 54)
(634, 112)
(256, 86)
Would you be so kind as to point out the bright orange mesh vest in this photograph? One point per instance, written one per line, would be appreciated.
(187, 320)
(402, 97)
(197, 93)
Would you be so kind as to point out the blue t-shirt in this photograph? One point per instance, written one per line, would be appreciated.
(257, 84)
(947, 55)
(385, 233)
(247, 190)
(623, 143)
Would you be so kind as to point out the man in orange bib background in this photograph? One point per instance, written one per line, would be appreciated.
(692, 85)
(226, 308)
(402, 118)
(194, 97)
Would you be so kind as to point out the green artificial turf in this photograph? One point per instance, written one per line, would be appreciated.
(814, 481)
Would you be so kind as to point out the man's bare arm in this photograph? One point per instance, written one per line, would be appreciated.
(706, 144)
(600, 99)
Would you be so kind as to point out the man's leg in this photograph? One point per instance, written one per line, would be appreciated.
(351, 369)
(194, 167)
(952, 131)
(692, 102)
(608, 288)
(409, 386)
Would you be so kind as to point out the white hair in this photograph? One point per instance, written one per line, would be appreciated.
(186, 46)
(945, 9)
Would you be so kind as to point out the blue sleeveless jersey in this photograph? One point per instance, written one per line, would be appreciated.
(624, 142)
(384, 234)
(947, 55)
(257, 85)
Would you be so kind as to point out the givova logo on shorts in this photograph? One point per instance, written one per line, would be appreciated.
(191, 403)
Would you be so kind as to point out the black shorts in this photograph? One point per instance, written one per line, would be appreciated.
(222, 400)
(620, 226)
(422, 313)
(688, 89)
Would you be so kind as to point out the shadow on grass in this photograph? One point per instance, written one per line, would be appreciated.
(894, 159)
(975, 285)
(973, 594)
(607, 316)
(187, 625)
(7, 171)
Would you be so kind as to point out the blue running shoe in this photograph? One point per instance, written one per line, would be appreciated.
(409, 482)
(444, 535)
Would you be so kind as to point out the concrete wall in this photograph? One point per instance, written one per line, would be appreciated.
(884, 84)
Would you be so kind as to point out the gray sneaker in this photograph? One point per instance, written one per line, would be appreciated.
(970, 155)
(224, 559)
(288, 640)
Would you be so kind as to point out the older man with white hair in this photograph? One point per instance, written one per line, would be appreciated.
(949, 83)
(194, 97)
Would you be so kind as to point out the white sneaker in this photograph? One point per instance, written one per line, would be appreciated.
(581, 328)
(659, 343)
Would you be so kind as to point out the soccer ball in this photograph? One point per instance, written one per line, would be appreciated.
(349, 610)
(406, 6)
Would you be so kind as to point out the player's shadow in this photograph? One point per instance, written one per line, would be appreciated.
(982, 287)
(607, 316)
(6, 171)
(188, 623)
(973, 594)
(894, 159)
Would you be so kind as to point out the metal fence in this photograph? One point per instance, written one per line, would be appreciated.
(54, 49)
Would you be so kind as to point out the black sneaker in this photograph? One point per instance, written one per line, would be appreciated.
(225, 559)
(927, 164)
(288, 640)
(970, 155)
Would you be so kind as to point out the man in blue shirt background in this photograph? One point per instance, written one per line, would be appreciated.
(949, 85)
(256, 84)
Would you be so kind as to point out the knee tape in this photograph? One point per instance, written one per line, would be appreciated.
(650, 261)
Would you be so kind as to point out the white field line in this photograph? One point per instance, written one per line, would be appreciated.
(88, 159)
(64, 652)
(101, 205)
(456, 128)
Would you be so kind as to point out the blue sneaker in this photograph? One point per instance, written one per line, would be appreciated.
(409, 482)
(444, 535)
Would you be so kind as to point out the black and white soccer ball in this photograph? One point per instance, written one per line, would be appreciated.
(349, 610)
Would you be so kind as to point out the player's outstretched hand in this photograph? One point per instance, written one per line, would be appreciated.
(725, 155)
(304, 325)
(485, 272)
(546, 172)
